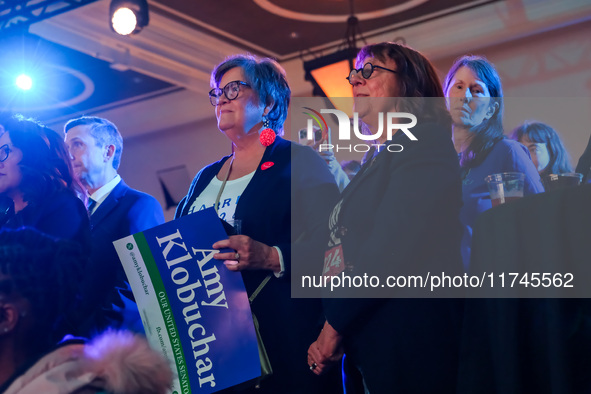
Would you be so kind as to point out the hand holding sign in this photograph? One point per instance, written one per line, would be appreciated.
(250, 254)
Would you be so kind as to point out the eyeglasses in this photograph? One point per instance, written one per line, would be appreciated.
(231, 91)
(4, 152)
(366, 71)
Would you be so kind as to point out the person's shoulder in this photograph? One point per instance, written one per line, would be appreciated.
(426, 139)
(433, 130)
(295, 149)
(138, 196)
(64, 196)
(62, 203)
(285, 153)
(287, 144)
(64, 193)
(141, 209)
(425, 133)
(216, 164)
(134, 192)
(508, 148)
(281, 145)
(302, 156)
(211, 169)
(508, 145)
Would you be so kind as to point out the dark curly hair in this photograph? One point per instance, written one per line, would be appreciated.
(46, 165)
(416, 78)
(45, 271)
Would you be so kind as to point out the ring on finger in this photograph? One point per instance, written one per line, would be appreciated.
(237, 256)
(313, 366)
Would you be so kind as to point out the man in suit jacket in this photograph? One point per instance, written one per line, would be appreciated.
(116, 211)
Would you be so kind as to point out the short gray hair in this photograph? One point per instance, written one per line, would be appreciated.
(267, 78)
(103, 131)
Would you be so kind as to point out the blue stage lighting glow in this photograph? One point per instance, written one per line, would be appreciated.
(24, 82)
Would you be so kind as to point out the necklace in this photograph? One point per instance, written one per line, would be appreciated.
(217, 200)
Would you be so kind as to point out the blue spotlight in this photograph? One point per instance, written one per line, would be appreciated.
(24, 82)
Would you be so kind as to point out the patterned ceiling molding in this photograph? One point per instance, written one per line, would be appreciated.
(235, 40)
(302, 16)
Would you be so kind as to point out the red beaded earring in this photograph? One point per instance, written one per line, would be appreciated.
(267, 136)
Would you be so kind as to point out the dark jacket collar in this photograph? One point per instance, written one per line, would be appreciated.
(109, 203)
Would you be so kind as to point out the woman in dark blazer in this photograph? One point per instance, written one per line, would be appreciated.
(398, 217)
(276, 206)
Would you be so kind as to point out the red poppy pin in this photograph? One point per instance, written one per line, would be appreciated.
(266, 165)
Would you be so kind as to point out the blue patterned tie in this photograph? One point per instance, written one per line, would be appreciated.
(91, 205)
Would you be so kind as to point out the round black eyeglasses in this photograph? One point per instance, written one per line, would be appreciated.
(231, 91)
(366, 71)
(4, 152)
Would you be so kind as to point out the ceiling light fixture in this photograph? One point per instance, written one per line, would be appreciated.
(327, 73)
(128, 16)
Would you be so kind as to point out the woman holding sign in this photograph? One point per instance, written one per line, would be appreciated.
(398, 218)
(256, 185)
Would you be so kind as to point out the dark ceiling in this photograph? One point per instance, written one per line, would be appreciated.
(285, 36)
(69, 83)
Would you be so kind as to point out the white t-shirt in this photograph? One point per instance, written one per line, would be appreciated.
(228, 200)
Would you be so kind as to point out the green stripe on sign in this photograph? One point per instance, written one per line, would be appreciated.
(163, 302)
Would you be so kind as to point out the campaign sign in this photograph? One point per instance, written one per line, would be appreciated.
(194, 310)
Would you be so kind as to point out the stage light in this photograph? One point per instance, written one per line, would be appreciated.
(124, 21)
(128, 16)
(24, 82)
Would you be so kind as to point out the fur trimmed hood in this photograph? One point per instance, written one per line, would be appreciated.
(116, 362)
